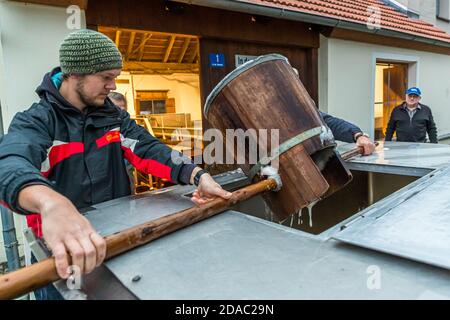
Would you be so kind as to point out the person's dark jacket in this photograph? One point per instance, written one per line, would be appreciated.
(412, 130)
(342, 130)
(79, 154)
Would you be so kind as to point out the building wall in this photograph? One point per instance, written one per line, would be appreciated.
(30, 38)
(427, 10)
(444, 25)
(347, 76)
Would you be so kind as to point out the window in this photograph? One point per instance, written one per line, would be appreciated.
(152, 106)
(153, 102)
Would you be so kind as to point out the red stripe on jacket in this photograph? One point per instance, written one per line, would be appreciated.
(61, 152)
(57, 154)
(147, 166)
(3, 203)
(34, 221)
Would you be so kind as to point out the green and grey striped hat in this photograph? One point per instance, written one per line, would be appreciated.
(87, 51)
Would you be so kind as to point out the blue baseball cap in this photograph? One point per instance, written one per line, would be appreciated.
(414, 90)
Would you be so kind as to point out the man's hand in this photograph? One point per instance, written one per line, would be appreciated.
(208, 189)
(65, 230)
(367, 144)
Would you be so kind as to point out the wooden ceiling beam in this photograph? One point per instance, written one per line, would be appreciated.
(130, 44)
(184, 49)
(142, 50)
(196, 51)
(141, 46)
(160, 67)
(169, 48)
(117, 41)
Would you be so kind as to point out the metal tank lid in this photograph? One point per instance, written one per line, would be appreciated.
(236, 72)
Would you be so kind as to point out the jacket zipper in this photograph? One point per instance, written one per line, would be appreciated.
(84, 157)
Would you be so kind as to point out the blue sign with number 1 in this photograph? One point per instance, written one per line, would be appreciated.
(217, 60)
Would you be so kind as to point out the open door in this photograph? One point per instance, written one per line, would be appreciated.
(392, 81)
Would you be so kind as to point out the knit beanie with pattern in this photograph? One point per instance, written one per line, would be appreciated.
(87, 51)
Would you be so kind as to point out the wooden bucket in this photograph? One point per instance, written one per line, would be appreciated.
(265, 93)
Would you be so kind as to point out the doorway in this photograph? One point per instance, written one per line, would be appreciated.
(391, 82)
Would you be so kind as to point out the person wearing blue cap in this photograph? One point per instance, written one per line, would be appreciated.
(412, 120)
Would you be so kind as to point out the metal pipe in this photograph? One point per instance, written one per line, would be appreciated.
(281, 13)
(10, 239)
(1, 123)
(370, 189)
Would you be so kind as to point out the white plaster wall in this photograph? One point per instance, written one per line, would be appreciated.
(30, 39)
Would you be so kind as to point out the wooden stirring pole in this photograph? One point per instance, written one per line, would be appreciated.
(355, 152)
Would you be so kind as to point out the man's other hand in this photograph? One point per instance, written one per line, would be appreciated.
(208, 189)
(367, 144)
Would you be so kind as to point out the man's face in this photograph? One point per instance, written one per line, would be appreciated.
(94, 88)
(412, 99)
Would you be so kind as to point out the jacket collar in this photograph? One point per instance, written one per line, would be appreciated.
(49, 92)
(405, 107)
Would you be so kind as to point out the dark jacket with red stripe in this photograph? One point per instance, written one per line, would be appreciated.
(79, 154)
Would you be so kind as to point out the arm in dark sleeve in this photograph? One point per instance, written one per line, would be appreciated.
(342, 130)
(391, 127)
(22, 151)
(432, 130)
(150, 156)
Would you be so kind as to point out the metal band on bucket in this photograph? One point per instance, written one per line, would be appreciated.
(285, 146)
(235, 73)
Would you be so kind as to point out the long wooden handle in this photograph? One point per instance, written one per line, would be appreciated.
(355, 152)
(27, 279)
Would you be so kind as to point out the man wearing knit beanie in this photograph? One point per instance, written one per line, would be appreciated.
(89, 62)
(67, 152)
